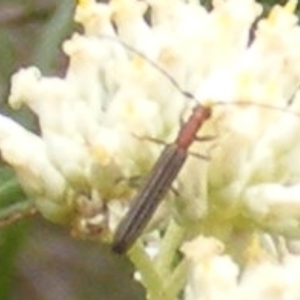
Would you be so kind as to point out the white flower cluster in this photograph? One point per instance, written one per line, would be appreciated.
(214, 275)
(93, 121)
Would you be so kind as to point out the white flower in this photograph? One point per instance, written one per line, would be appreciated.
(214, 275)
(39, 177)
(124, 83)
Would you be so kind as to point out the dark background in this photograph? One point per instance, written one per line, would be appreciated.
(39, 260)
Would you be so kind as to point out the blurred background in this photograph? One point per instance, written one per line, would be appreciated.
(39, 260)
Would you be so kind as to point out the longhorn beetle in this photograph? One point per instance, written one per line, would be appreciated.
(166, 169)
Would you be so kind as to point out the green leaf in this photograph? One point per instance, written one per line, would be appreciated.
(51, 38)
(10, 242)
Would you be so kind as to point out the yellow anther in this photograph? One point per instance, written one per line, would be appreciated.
(101, 155)
(271, 88)
(130, 111)
(138, 62)
(208, 103)
(291, 6)
(245, 80)
(255, 253)
(224, 20)
(118, 4)
(168, 56)
(83, 3)
(273, 16)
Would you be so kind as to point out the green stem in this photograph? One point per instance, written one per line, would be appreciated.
(16, 212)
(169, 247)
(153, 283)
(176, 283)
(10, 191)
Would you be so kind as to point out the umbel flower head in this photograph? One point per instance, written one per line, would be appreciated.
(96, 119)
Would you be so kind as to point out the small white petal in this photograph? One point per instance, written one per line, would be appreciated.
(27, 154)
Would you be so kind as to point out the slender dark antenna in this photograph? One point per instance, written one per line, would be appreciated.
(292, 96)
(249, 103)
(252, 31)
(172, 80)
(188, 94)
